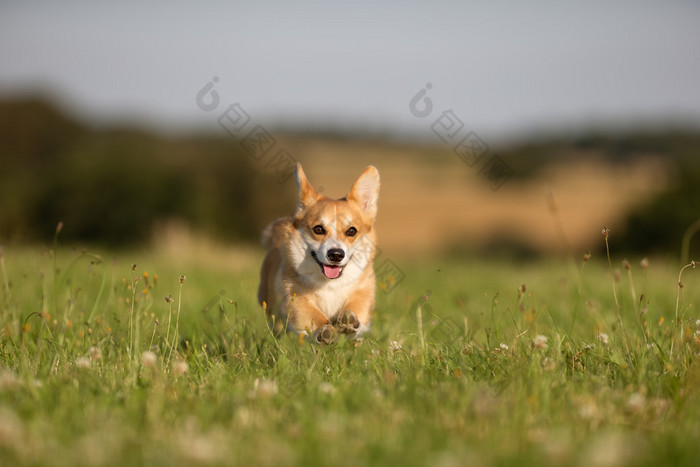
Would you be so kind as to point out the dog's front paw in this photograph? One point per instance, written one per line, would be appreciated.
(347, 322)
(326, 335)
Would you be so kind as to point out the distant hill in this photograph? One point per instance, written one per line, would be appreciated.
(111, 186)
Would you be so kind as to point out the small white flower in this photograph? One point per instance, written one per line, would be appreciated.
(548, 364)
(394, 346)
(540, 341)
(636, 403)
(603, 338)
(588, 410)
(149, 359)
(265, 387)
(179, 367)
(82, 362)
(503, 346)
(8, 380)
(94, 353)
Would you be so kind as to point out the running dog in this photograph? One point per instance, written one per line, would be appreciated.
(317, 279)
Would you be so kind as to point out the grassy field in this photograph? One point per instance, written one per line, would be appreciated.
(116, 360)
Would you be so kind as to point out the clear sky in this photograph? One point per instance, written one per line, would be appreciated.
(503, 67)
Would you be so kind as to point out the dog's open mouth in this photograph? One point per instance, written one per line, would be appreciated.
(329, 270)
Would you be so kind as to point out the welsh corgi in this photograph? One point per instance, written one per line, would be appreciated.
(317, 279)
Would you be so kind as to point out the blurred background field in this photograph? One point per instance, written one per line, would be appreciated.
(123, 186)
(129, 132)
(133, 194)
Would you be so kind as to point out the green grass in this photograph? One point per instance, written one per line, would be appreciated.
(452, 373)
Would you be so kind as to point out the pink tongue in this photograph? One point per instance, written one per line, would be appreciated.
(331, 272)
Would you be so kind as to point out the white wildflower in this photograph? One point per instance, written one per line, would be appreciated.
(180, 367)
(540, 341)
(394, 346)
(603, 338)
(588, 410)
(265, 387)
(636, 403)
(149, 359)
(82, 362)
(548, 364)
(94, 353)
(8, 380)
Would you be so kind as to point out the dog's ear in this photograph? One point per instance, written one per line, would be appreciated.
(306, 193)
(365, 191)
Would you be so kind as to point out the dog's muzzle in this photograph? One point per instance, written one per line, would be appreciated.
(330, 270)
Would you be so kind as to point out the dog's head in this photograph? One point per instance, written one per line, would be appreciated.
(337, 235)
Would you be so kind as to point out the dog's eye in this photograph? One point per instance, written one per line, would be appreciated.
(351, 232)
(319, 230)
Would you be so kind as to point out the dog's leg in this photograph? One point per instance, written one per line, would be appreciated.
(305, 316)
(326, 335)
(347, 322)
(354, 319)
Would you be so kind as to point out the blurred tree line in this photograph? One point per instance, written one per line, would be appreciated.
(111, 185)
(657, 226)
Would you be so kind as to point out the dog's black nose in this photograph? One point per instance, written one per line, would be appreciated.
(335, 255)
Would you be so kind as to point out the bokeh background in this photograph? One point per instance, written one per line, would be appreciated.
(136, 125)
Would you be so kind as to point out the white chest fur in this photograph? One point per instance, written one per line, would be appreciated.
(332, 296)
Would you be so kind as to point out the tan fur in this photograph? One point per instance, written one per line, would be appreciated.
(296, 288)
